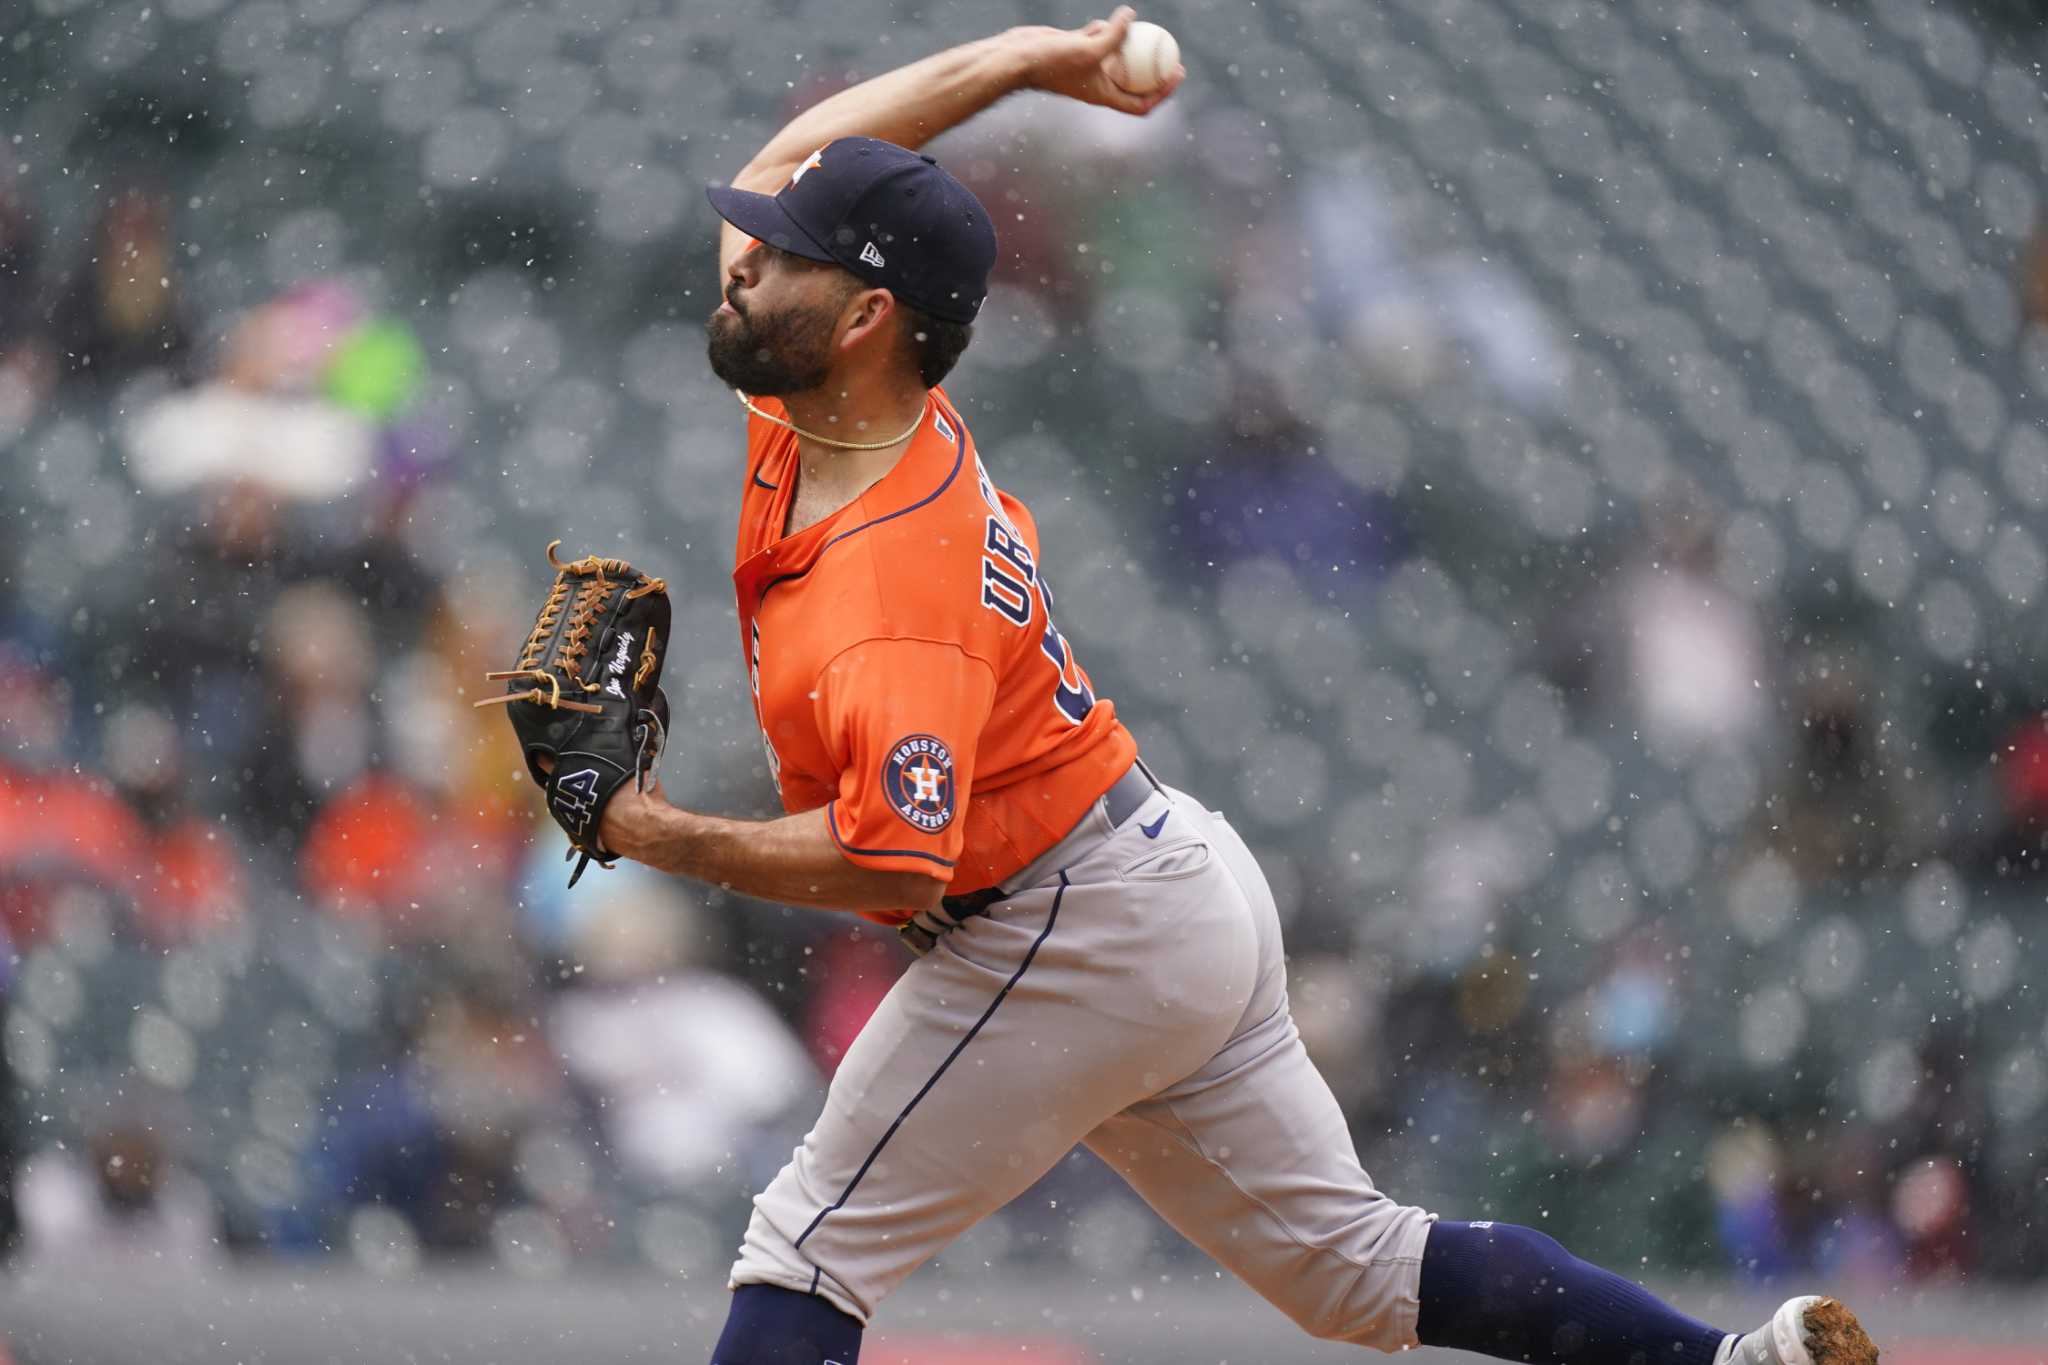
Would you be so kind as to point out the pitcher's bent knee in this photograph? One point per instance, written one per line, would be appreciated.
(1364, 1299)
(769, 1256)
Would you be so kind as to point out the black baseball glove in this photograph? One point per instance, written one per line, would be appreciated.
(591, 715)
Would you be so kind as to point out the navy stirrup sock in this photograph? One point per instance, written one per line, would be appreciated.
(1512, 1293)
(770, 1325)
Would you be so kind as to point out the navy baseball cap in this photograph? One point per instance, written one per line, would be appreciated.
(893, 217)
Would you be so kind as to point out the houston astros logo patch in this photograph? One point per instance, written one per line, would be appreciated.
(917, 777)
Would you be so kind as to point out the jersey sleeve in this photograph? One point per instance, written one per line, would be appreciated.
(902, 718)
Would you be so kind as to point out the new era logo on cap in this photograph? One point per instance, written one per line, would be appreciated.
(891, 216)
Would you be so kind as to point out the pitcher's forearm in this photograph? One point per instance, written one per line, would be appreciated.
(914, 104)
(792, 860)
(908, 106)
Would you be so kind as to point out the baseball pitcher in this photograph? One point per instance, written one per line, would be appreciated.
(1100, 959)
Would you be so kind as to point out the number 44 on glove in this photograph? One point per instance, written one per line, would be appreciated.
(585, 698)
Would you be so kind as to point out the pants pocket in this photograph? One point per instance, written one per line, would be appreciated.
(1169, 862)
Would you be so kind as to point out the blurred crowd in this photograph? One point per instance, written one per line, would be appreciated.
(1606, 606)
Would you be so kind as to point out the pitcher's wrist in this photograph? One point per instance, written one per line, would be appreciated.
(1015, 54)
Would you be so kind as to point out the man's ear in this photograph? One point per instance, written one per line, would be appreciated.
(868, 315)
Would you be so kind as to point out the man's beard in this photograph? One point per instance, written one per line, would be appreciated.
(770, 356)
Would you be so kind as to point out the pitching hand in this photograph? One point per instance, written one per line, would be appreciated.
(1083, 63)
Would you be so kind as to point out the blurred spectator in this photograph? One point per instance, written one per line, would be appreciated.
(289, 447)
(1931, 1206)
(1778, 1218)
(1632, 1008)
(1595, 1109)
(440, 736)
(197, 656)
(1836, 817)
(1694, 658)
(117, 311)
(1743, 1171)
(370, 849)
(2019, 844)
(1663, 638)
(293, 632)
(1404, 318)
(193, 879)
(1263, 489)
(320, 659)
(433, 1133)
(35, 725)
(60, 829)
(125, 1200)
(1854, 1237)
(688, 1068)
(131, 829)
(303, 383)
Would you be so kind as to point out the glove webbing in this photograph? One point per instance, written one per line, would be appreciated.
(588, 600)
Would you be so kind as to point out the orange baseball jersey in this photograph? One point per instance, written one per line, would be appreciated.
(907, 674)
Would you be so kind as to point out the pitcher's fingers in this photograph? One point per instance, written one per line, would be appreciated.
(1114, 96)
(1152, 99)
(1107, 35)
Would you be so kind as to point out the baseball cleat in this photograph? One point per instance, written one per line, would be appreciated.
(1810, 1330)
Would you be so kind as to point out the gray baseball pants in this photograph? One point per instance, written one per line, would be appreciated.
(1130, 994)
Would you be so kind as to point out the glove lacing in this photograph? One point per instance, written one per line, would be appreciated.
(583, 604)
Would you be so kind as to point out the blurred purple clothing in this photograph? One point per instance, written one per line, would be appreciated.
(1753, 1235)
(1862, 1247)
(1247, 503)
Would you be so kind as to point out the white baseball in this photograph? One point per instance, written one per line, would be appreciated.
(1150, 54)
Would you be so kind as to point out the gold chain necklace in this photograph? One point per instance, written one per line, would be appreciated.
(748, 403)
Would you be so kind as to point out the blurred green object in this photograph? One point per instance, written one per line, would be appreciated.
(376, 371)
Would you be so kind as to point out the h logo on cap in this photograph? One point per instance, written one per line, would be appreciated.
(861, 204)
